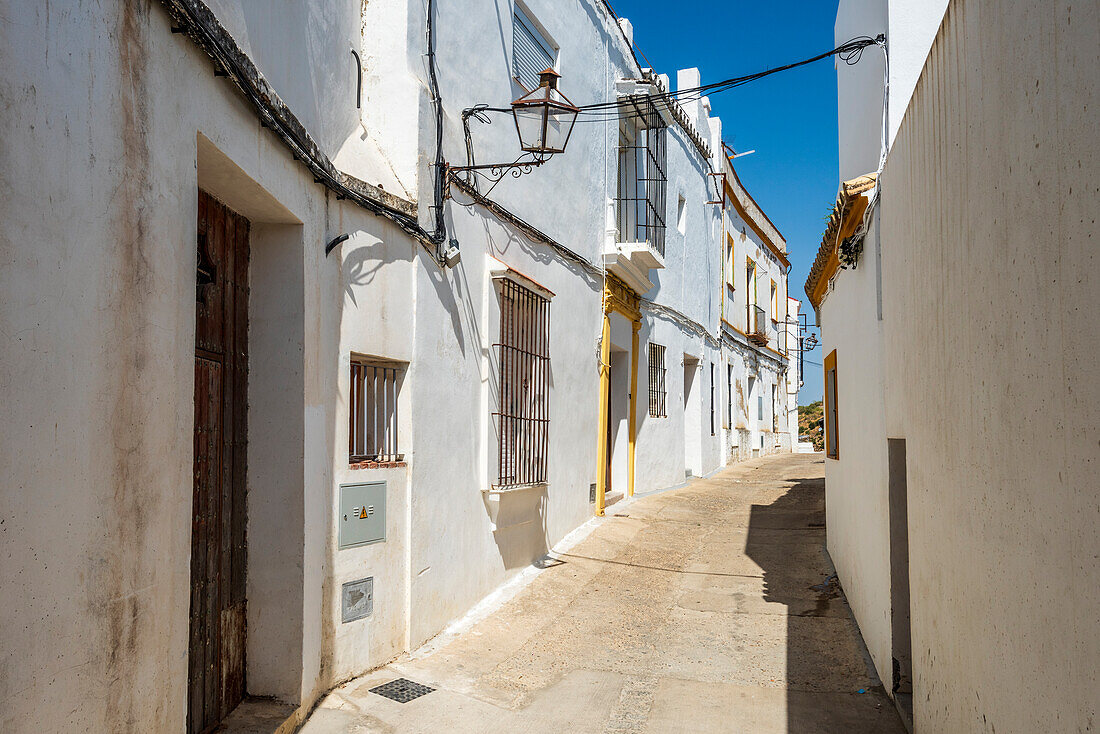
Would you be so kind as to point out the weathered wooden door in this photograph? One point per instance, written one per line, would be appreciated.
(218, 550)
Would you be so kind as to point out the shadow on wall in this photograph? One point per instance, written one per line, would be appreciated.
(519, 520)
(826, 667)
(361, 265)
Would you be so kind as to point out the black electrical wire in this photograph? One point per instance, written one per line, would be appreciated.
(849, 52)
(440, 234)
(195, 19)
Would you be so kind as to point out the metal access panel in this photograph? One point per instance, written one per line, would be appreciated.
(362, 517)
(357, 599)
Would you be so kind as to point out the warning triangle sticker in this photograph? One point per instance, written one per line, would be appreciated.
(363, 513)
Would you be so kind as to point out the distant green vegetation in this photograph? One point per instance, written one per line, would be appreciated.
(811, 424)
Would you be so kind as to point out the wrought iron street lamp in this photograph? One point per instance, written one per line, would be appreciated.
(544, 117)
(544, 121)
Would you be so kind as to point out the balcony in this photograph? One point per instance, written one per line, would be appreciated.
(757, 326)
(631, 263)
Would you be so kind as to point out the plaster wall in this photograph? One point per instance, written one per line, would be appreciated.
(461, 549)
(369, 311)
(276, 459)
(748, 245)
(97, 313)
(999, 410)
(910, 27)
(305, 52)
(859, 88)
(748, 434)
(465, 541)
(856, 509)
(850, 317)
(97, 307)
(913, 25)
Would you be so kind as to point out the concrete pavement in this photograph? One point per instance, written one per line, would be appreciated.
(707, 608)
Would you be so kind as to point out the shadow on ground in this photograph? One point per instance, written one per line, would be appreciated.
(786, 538)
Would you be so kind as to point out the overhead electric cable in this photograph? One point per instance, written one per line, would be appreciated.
(850, 52)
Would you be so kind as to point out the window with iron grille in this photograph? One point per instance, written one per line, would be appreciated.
(712, 398)
(524, 417)
(729, 396)
(640, 200)
(372, 431)
(532, 51)
(657, 403)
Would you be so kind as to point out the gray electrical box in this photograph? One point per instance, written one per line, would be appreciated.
(362, 517)
(357, 599)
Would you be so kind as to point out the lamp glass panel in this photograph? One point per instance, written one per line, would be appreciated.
(559, 123)
(529, 124)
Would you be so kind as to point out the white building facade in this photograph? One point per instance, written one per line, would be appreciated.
(950, 465)
(283, 395)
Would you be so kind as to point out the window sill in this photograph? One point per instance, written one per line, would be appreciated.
(493, 489)
(377, 465)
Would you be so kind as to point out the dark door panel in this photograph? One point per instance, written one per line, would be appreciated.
(218, 550)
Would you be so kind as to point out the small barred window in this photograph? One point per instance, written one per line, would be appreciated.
(657, 394)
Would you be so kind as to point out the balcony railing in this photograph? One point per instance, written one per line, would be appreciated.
(757, 323)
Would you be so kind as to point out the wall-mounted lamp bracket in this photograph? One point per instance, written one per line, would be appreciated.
(336, 241)
(496, 171)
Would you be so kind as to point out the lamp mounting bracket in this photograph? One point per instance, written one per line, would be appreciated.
(494, 172)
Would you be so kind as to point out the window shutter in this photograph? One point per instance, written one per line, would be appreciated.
(531, 53)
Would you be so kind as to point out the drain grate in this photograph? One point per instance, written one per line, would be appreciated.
(402, 690)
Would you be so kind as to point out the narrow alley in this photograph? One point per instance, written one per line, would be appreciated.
(708, 608)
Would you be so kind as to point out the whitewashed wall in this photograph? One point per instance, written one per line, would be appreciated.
(104, 128)
(112, 124)
(988, 218)
(856, 484)
(856, 508)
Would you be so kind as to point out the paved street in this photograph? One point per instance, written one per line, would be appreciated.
(702, 609)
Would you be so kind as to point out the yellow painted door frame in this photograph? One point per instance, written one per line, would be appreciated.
(635, 326)
(617, 298)
(605, 389)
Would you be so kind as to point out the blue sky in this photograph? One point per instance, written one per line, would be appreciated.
(790, 119)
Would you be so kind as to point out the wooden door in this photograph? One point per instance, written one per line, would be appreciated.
(218, 550)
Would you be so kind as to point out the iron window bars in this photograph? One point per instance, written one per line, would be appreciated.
(640, 201)
(712, 398)
(757, 318)
(729, 396)
(372, 431)
(524, 417)
(657, 402)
